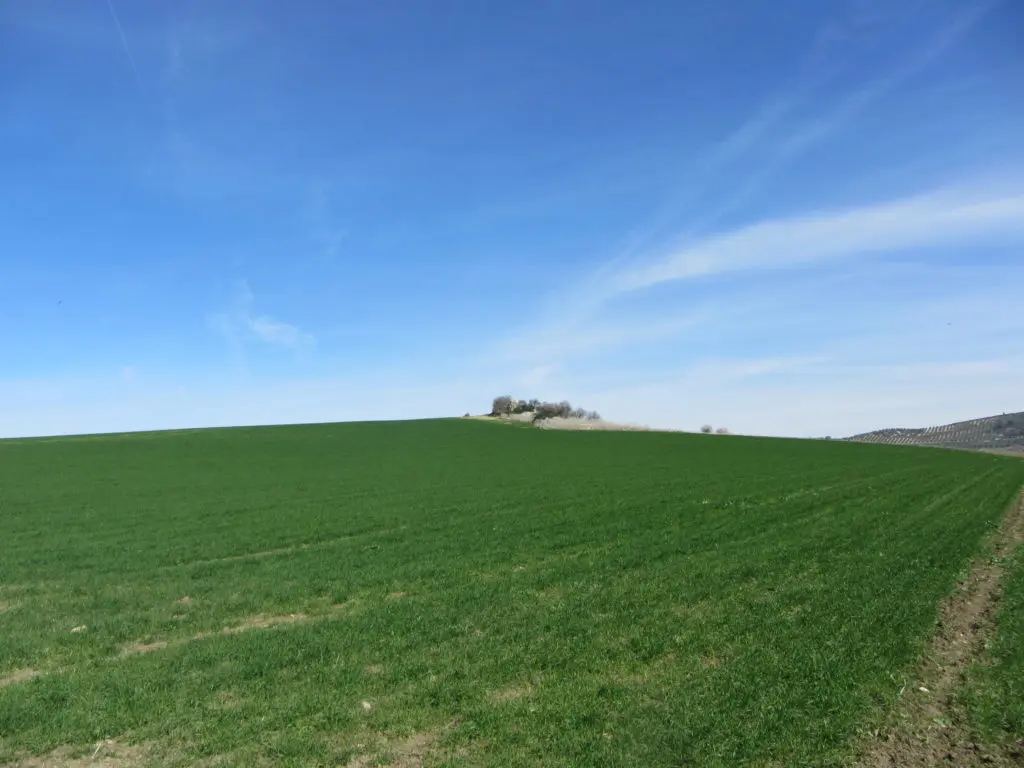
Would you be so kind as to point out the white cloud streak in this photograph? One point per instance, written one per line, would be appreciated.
(779, 136)
(124, 42)
(930, 220)
(239, 325)
(813, 131)
(275, 332)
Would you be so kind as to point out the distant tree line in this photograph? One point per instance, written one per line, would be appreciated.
(506, 405)
(707, 429)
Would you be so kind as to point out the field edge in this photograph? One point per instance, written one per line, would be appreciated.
(929, 724)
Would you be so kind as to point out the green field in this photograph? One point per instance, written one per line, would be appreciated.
(459, 593)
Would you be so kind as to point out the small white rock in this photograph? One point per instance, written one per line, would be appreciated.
(81, 628)
(367, 706)
(922, 689)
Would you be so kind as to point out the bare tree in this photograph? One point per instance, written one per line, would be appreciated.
(722, 431)
(707, 429)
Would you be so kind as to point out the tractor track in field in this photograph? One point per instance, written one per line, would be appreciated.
(928, 727)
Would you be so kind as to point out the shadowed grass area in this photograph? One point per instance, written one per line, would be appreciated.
(458, 593)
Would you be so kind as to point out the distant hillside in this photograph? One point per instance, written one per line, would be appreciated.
(994, 432)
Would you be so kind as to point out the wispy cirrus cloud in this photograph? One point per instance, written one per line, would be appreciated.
(275, 332)
(555, 344)
(782, 129)
(934, 219)
(814, 130)
(240, 325)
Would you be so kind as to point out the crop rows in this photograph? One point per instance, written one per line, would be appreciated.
(462, 593)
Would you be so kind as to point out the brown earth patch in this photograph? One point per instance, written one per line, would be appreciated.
(8, 605)
(107, 754)
(133, 649)
(409, 752)
(257, 622)
(19, 676)
(928, 728)
(515, 693)
(246, 625)
(225, 700)
(397, 595)
(698, 610)
(711, 661)
(1017, 453)
(373, 669)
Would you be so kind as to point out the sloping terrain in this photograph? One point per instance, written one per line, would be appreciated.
(992, 433)
(445, 593)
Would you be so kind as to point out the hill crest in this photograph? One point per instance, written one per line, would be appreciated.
(1003, 432)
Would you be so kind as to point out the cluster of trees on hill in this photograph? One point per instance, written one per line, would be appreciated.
(506, 405)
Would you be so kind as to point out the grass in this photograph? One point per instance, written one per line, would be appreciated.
(467, 594)
(994, 695)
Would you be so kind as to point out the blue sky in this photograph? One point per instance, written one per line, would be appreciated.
(797, 218)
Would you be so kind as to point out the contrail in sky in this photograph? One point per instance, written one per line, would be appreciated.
(124, 41)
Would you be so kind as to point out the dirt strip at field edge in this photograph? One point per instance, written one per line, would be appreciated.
(928, 728)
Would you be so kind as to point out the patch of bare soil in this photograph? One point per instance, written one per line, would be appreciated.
(559, 422)
(928, 728)
(248, 624)
(19, 676)
(107, 754)
(257, 622)
(133, 649)
(515, 693)
(1015, 452)
(225, 700)
(409, 752)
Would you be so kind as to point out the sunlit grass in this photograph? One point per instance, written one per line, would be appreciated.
(472, 594)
